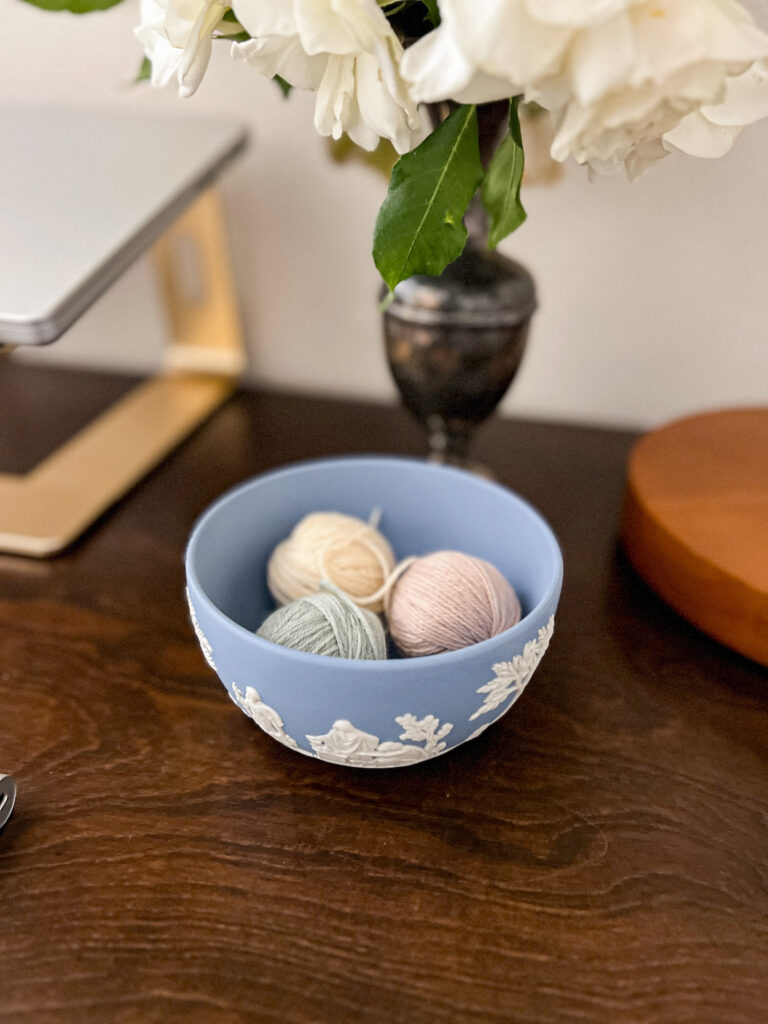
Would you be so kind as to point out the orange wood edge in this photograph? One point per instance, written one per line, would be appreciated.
(716, 602)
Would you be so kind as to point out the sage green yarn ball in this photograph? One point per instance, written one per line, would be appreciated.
(327, 623)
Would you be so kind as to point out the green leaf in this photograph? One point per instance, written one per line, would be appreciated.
(419, 229)
(285, 87)
(145, 71)
(501, 188)
(229, 28)
(433, 14)
(75, 6)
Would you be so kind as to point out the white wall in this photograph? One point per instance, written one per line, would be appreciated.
(653, 297)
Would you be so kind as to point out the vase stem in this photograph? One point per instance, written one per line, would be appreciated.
(446, 442)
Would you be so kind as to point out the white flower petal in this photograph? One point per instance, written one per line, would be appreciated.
(347, 51)
(503, 40)
(602, 60)
(675, 34)
(176, 35)
(437, 68)
(266, 17)
(618, 76)
(322, 30)
(570, 14)
(746, 99)
(336, 86)
(698, 136)
(378, 109)
(642, 156)
(275, 55)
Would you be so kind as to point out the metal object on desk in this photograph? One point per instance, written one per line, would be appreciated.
(454, 344)
(7, 798)
(88, 193)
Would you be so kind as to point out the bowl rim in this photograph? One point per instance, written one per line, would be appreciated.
(404, 665)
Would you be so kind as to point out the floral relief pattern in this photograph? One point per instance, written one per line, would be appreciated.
(263, 715)
(345, 744)
(201, 637)
(512, 677)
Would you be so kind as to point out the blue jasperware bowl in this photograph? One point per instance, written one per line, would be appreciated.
(370, 714)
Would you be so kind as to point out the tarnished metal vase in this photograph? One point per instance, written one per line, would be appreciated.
(454, 344)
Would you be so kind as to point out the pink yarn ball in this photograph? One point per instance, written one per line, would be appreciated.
(449, 600)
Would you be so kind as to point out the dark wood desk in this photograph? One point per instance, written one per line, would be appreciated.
(599, 855)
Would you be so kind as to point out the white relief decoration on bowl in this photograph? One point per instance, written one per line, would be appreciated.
(263, 715)
(512, 677)
(201, 637)
(345, 744)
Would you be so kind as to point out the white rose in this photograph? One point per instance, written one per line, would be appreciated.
(483, 52)
(618, 75)
(347, 51)
(176, 36)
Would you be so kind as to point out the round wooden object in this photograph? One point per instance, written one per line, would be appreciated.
(695, 523)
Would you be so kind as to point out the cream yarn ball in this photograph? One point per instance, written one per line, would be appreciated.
(331, 546)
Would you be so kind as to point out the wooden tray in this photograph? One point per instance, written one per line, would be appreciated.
(695, 523)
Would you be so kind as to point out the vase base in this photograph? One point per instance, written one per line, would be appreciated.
(459, 462)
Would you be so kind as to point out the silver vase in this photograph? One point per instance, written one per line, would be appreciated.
(454, 344)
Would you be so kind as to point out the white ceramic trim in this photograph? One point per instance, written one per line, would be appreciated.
(512, 677)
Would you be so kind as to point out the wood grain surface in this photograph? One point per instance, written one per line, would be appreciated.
(598, 855)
